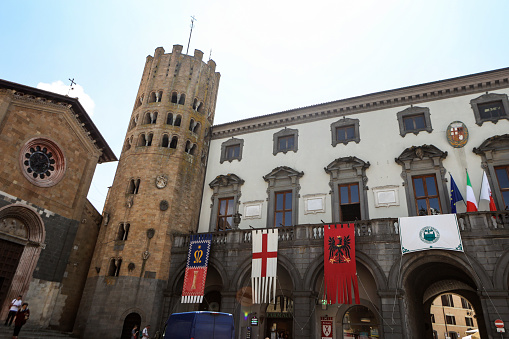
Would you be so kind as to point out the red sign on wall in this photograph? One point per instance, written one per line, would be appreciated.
(326, 327)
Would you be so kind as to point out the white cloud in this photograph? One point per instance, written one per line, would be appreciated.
(77, 92)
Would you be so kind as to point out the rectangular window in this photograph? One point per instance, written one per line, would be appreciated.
(491, 110)
(349, 202)
(414, 122)
(285, 143)
(453, 335)
(469, 321)
(503, 184)
(432, 318)
(232, 152)
(450, 319)
(426, 195)
(345, 133)
(465, 304)
(283, 210)
(225, 213)
(447, 300)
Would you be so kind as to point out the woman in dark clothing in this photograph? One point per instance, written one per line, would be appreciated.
(21, 318)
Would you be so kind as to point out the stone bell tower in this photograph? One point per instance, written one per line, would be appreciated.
(156, 192)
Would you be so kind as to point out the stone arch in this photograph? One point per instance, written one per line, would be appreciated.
(32, 242)
(343, 308)
(132, 310)
(501, 272)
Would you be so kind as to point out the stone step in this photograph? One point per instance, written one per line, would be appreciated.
(34, 333)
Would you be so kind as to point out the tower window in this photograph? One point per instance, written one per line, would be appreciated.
(152, 97)
(165, 142)
(191, 125)
(196, 128)
(169, 119)
(142, 140)
(149, 139)
(134, 186)
(178, 120)
(174, 98)
(123, 231)
(182, 99)
(174, 142)
(114, 268)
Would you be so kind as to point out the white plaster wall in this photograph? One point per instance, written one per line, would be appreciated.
(380, 144)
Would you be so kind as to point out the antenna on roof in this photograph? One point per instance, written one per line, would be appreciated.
(210, 54)
(193, 19)
(70, 86)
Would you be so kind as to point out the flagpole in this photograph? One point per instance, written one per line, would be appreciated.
(450, 175)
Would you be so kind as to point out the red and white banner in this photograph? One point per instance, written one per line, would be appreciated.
(196, 269)
(326, 327)
(264, 265)
(340, 271)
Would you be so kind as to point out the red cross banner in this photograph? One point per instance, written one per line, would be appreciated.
(264, 265)
(196, 269)
(340, 272)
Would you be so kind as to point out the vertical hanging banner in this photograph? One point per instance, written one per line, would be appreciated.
(264, 265)
(196, 269)
(326, 327)
(340, 272)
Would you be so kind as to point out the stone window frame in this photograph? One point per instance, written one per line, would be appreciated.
(494, 152)
(283, 133)
(228, 143)
(345, 122)
(411, 111)
(486, 98)
(281, 179)
(224, 186)
(348, 170)
(424, 160)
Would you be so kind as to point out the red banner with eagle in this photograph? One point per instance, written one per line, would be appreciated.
(339, 264)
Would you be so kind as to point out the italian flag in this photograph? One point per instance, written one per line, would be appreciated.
(471, 202)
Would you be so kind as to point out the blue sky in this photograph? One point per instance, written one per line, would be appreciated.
(272, 55)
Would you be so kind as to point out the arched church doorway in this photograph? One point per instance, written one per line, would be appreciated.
(431, 276)
(279, 315)
(452, 316)
(211, 302)
(360, 322)
(130, 321)
(21, 240)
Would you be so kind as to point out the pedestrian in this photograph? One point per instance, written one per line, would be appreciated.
(15, 305)
(134, 333)
(145, 332)
(21, 318)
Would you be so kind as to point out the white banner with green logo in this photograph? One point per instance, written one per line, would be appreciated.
(431, 232)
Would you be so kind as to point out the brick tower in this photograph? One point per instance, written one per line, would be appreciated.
(156, 193)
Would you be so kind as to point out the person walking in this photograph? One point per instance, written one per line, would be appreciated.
(15, 305)
(134, 332)
(21, 318)
(145, 332)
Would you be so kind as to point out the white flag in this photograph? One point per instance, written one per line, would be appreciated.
(264, 265)
(431, 232)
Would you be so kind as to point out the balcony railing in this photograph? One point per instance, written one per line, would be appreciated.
(365, 230)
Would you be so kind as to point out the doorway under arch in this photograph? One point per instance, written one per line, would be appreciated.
(360, 322)
(131, 320)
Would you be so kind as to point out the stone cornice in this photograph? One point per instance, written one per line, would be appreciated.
(412, 95)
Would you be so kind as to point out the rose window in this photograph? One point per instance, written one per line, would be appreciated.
(42, 162)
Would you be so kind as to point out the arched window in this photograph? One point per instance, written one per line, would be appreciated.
(134, 186)
(174, 142)
(149, 139)
(153, 117)
(114, 267)
(152, 97)
(188, 146)
(127, 144)
(146, 118)
(191, 125)
(141, 140)
(165, 142)
(174, 97)
(200, 108)
(178, 120)
(358, 320)
(193, 149)
(123, 231)
(169, 119)
(182, 99)
(196, 128)
(133, 123)
(159, 96)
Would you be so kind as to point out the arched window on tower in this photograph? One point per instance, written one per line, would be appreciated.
(134, 186)
(149, 139)
(188, 146)
(178, 120)
(127, 144)
(193, 149)
(165, 142)
(123, 231)
(174, 142)
(191, 125)
(182, 100)
(114, 267)
(153, 117)
(200, 108)
(169, 119)
(174, 98)
(152, 97)
(196, 128)
(141, 140)
(159, 96)
(146, 119)
(196, 103)
(132, 124)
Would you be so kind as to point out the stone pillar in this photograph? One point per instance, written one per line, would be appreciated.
(228, 302)
(496, 306)
(303, 315)
(391, 312)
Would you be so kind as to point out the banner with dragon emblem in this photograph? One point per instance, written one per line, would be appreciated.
(340, 274)
(196, 269)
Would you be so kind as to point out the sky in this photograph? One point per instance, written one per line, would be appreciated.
(272, 55)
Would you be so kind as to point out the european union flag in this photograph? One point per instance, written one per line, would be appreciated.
(455, 195)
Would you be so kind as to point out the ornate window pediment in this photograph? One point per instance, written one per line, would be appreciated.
(226, 180)
(225, 201)
(414, 120)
